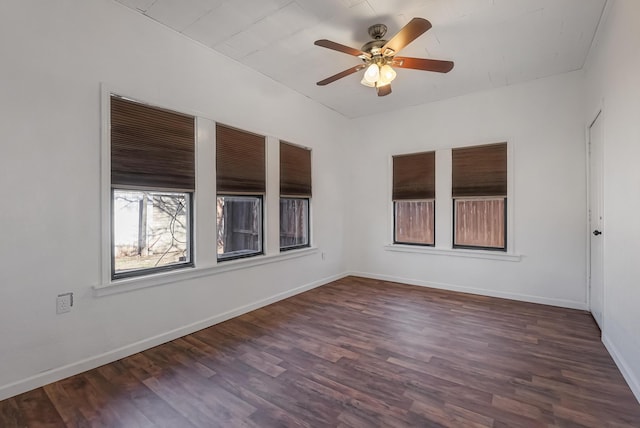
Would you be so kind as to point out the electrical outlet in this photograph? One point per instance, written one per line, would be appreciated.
(64, 302)
(323, 256)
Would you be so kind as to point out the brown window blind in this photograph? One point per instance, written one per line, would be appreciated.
(480, 171)
(414, 176)
(295, 170)
(240, 161)
(151, 147)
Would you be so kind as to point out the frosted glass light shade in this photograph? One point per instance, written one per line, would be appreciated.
(369, 84)
(387, 74)
(372, 74)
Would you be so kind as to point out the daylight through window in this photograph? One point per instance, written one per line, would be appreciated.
(150, 230)
(240, 182)
(152, 183)
(295, 194)
(480, 196)
(413, 198)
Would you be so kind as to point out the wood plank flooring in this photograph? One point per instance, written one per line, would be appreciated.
(356, 353)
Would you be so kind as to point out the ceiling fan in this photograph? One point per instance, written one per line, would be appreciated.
(379, 56)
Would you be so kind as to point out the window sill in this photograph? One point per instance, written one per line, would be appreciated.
(476, 254)
(136, 283)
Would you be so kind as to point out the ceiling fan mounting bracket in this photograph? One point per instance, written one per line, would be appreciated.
(377, 31)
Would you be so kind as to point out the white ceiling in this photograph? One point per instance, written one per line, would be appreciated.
(492, 42)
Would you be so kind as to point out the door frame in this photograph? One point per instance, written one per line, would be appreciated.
(599, 115)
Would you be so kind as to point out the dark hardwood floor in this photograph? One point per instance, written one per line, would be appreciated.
(356, 353)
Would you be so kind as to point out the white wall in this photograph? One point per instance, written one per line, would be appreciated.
(544, 125)
(54, 57)
(613, 84)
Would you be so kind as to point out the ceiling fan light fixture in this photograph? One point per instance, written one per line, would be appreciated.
(372, 74)
(387, 73)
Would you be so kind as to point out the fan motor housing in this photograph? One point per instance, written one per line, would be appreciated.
(373, 44)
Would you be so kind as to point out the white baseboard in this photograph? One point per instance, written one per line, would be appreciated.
(480, 291)
(632, 380)
(58, 373)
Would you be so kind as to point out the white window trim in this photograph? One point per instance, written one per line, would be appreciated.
(457, 252)
(105, 184)
(444, 212)
(179, 275)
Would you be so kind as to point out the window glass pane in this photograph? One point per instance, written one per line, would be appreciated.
(239, 226)
(294, 223)
(480, 223)
(150, 230)
(414, 222)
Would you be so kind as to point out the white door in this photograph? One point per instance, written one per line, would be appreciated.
(596, 208)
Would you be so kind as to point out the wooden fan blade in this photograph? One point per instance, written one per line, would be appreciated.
(423, 64)
(408, 33)
(383, 90)
(340, 48)
(341, 75)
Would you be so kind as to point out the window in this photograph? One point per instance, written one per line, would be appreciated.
(294, 223)
(295, 192)
(413, 199)
(239, 226)
(152, 183)
(150, 229)
(240, 182)
(479, 190)
(414, 222)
